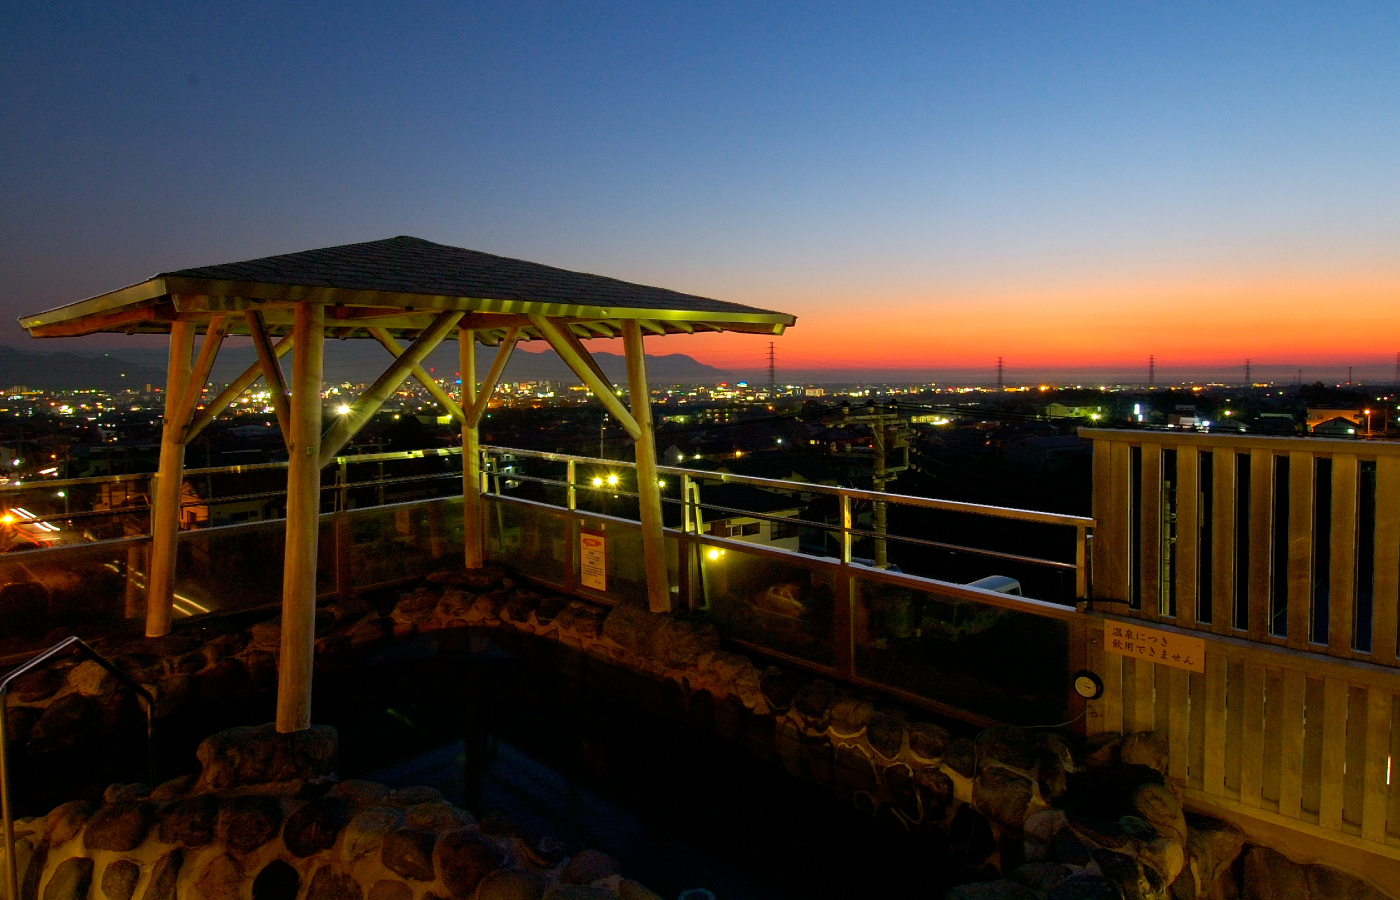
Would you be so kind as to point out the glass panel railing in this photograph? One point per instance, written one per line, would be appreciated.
(84, 589)
(527, 538)
(1001, 663)
(224, 570)
(391, 544)
(784, 605)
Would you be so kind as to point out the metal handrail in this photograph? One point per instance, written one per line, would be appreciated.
(11, 873)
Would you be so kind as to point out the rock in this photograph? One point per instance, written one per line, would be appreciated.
(164, 874)
(465, 858)
(1039, 876)
(1085, 886)
(961, 757)
(970, 834)
(511, 884)
(850, 715)
(790, 745)
(189, 823)
(1137, 829)
(90, 679)
(247, 823)
(899, 778)
(935, 787)
(991, 890)
(71, 880)
(1050, 774)
(118, 826)
(1327, 883)
(1002, 796)
(631, 627)
(67, 716)
(412, 796)
(814, 700)
(578, 892)
(678, 643)
(221, 878)
(360, 793)
(267, 635)
(329, 883)
(389, 889)
(438, 815)
(1124, 871)
(1269, 875)
(222, 680)
(415, 608)
(368, 829)
(854, 770)
(1105, 834)
(277, 881)
(633, 890)
(175, 787)
(38, 685)
(63, 823)
(1007, 745)
(119, 879)
(1103, 750)
(587, 866)
(21, 721)
(242, 757)
(928, 741)
(1039, 830)
(1158, 805)
(1145, 748)
(886, 734)
(1214, 845)
(1066, 847)
(1165, 855)
(408, 852)
(780, 688)
(315, 826)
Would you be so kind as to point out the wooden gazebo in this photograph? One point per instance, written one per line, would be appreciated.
(398, 289)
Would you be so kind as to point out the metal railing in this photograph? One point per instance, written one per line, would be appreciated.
(39, 661)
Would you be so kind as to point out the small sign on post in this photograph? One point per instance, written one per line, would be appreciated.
(593, 560)
(1152, 645)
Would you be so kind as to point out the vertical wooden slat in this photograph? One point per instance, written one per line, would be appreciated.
(1216, 673)
(1234, 723)
(1290, 713)
(1378, 738)
(1354, 775)
(1334, 745)
(1261, 507)
(1178, 715)
(1112, 702)
(1222, 579)
(1392, 814)
(1120, 509)
(1342, 553)
(1129, 694)
(1105, 523)
(1188, 533)
(1315, 711)
(1252, 753)
(1150, 528)
(1273, 735)
(1095, 660)
(1300, 536)
(1196, 756)
(1386, 578)
(1144, 696)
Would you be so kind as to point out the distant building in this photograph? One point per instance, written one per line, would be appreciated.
(1326, 419)
(1061, 411)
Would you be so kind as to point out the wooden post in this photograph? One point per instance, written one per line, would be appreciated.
(648, 488)
(472, 537)
(165, 506)
(303, 522)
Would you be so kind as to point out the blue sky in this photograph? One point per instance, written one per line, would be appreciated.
(904, 166)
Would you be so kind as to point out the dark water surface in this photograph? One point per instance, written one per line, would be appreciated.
(569, 747)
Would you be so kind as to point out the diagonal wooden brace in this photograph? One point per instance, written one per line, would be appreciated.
(429, 383)
(493, 378)
(233, 391)
(194, 389)
(345, 427)
(572, 352)
(272, 372)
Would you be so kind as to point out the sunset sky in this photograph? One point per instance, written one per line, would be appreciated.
(925, 186)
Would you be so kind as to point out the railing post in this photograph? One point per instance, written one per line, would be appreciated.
(842, 633)
(845, 528)
(573, 491)
(1081, 568)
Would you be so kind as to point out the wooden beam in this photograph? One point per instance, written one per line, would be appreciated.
(653, 327)
(493, 377)
(648, 488)
(199, 375)
(425, 379)
(271, 371)
(170, 480)
(345, 427)
(473, 536)
(234, 390)
(294, 666)
(581, 362)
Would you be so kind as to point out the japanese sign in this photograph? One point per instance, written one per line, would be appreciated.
(1165, 647)
(593, 560)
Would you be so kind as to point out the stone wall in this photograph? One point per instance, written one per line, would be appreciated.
(1056, 818)
(266, 819)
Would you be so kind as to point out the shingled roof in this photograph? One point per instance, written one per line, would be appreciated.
(399, 283)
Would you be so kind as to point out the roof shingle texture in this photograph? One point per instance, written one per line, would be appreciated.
(411, 265)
